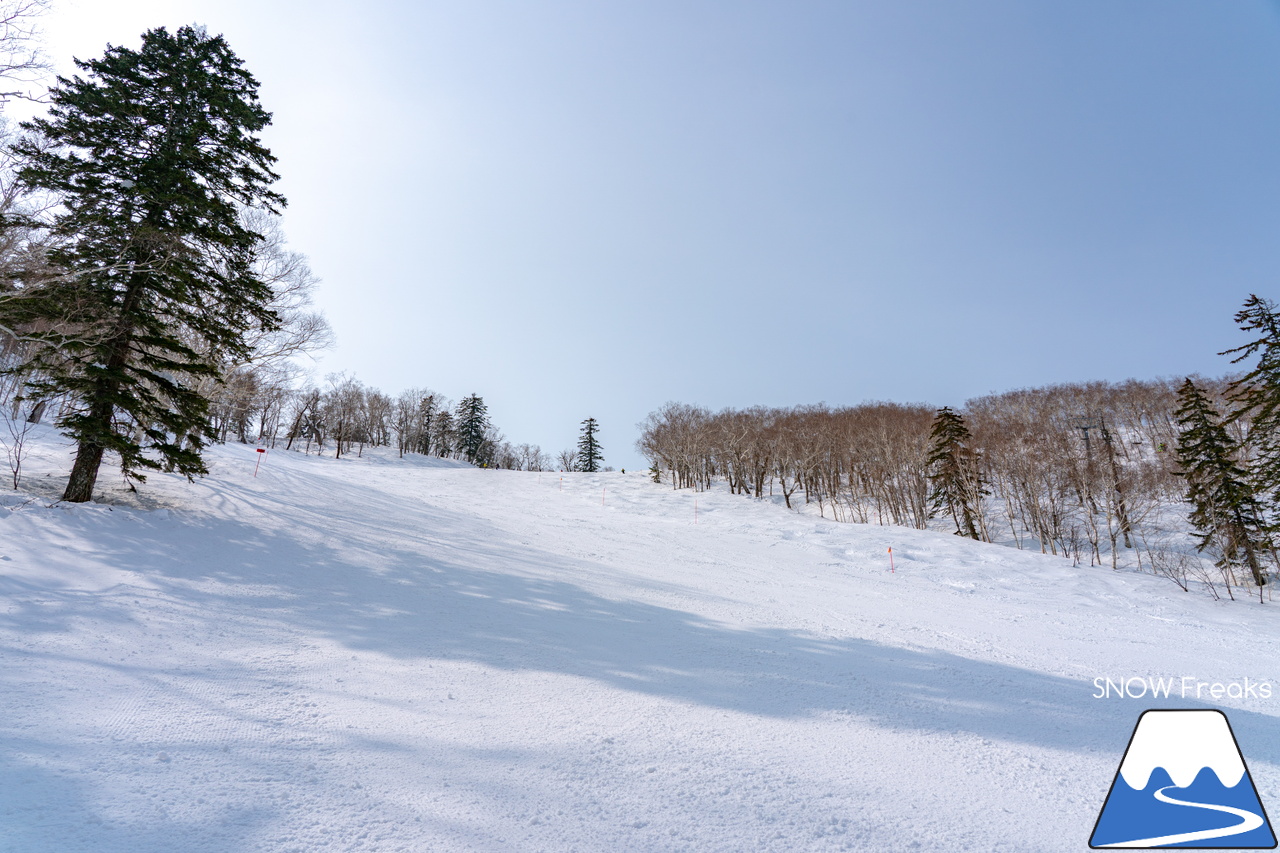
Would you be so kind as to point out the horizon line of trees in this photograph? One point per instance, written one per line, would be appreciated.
(1089, 471)
(270, 406)
(1076, 469)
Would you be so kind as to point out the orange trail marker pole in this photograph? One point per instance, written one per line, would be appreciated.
(891, 570)
(259, 463)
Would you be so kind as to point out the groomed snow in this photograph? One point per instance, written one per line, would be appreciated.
(384, 655)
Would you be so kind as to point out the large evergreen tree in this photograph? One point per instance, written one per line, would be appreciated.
(472, 428)
(1257, 393)
(954, 476)
(1225, 510)
(151, 152)
(590, 454)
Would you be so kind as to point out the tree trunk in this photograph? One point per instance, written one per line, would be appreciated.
(84, 473)
(1250, 557)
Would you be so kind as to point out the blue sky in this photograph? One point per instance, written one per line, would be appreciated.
(587, 209)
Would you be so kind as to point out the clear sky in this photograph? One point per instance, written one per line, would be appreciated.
(579, 208)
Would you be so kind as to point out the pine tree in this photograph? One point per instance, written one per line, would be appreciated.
(1225, 508)
(590, 453)
(444, 434)
(152, 152)
(472, 428)
(953, 472)
(1257, 393)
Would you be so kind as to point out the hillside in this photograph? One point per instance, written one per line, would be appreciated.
(380, 654)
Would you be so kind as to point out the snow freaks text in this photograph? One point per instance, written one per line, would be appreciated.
(1182, 687)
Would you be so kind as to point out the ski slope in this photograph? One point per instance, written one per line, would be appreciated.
(413, 655)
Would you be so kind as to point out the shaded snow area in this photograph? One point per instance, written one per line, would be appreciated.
(384, 655)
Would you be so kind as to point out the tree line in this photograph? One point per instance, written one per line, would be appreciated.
(345, 416)
(1092, 471)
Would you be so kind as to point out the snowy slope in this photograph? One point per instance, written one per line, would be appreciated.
(375, 654)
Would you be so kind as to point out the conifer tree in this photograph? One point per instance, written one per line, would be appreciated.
(590, 454)
(1225, 509)
(444, 434)
(152, 152)
(953, 472)
(425, 425)
(1257, 393)
(472, 428)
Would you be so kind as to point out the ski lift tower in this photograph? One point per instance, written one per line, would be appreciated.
(1084, 423)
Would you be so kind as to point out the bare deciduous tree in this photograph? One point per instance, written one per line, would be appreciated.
(23, 65)
(1049, 489)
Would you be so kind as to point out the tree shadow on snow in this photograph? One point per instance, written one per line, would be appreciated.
(475, 596)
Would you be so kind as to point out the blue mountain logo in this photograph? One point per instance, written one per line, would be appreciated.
(1183, 783)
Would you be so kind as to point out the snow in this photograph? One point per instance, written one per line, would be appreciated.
(383, 654)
